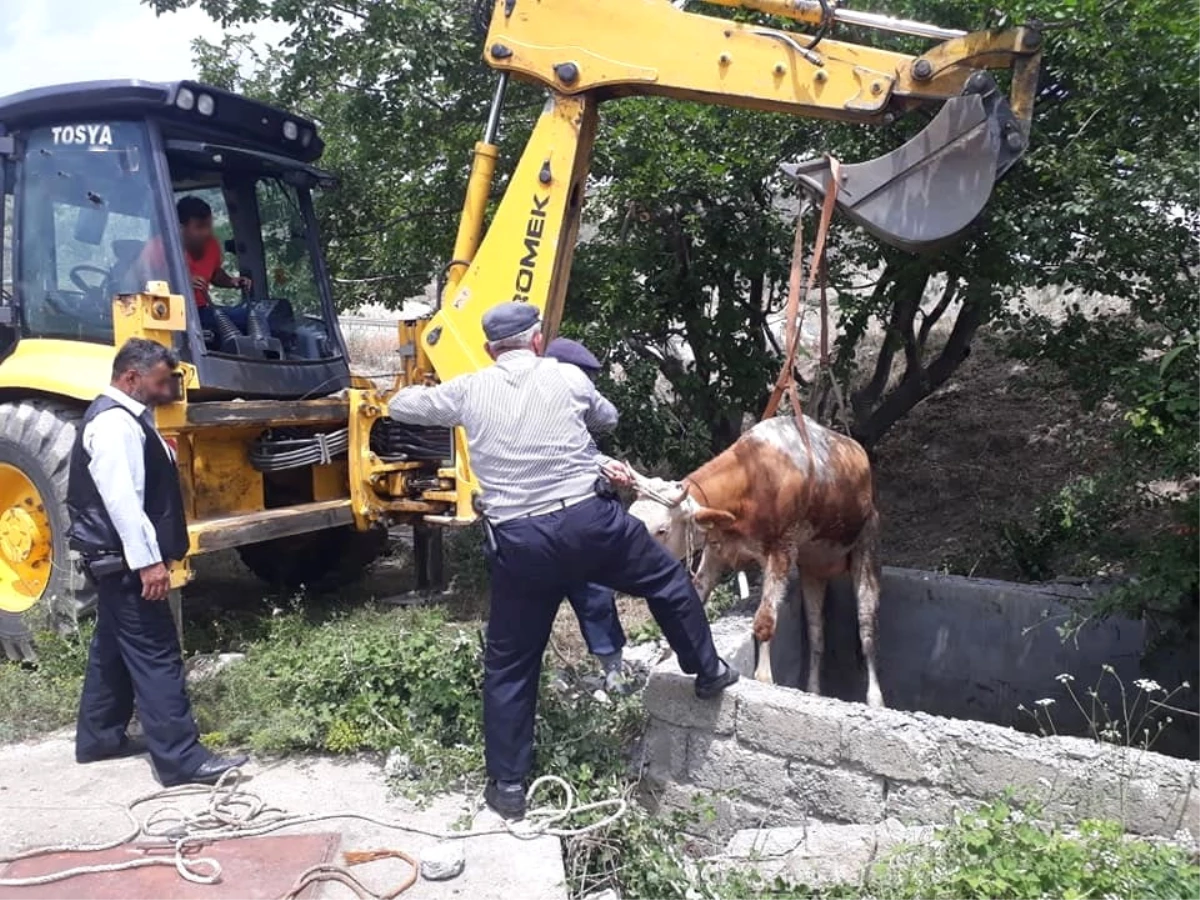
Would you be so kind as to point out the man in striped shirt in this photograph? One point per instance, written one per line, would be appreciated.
(527, 421)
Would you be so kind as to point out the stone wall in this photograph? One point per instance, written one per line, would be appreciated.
(766, 755)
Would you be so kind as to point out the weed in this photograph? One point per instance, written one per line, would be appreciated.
(36, 699)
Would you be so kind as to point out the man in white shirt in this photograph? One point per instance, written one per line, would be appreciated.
(127, 522)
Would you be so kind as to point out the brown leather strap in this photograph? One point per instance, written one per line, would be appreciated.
(794, 314)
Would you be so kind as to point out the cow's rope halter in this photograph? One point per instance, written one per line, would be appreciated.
(648, 488)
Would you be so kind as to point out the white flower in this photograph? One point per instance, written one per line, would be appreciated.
(1149, 685)
(1064, 678)
(1045, 701)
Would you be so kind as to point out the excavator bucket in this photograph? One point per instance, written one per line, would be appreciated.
(924, 194)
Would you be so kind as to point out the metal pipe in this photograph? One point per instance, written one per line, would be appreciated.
(898, 26)
(493, 120)
(813, 12)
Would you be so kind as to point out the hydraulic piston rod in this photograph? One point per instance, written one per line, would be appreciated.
(814, 12)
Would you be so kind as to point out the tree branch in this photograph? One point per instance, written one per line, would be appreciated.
(919, 384)
(928, 321)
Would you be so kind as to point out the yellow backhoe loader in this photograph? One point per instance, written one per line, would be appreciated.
(283, 455)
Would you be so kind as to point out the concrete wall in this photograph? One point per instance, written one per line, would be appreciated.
(972, 648)
(770, 756)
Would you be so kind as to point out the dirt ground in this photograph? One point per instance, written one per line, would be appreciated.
(990, 446)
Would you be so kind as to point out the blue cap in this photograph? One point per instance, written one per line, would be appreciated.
(507, 319)
(569, 351)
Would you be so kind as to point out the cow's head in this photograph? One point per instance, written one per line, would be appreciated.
(673, 517)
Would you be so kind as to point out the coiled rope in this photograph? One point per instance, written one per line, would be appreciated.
(231, 812)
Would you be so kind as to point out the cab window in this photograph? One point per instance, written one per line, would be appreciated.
(87, 213)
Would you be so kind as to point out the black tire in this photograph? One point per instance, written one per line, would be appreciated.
(319, 561)
(36, 437)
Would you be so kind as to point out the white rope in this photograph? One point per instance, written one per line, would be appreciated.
(232, 812)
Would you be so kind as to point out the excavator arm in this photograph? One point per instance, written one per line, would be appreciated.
(584, 52)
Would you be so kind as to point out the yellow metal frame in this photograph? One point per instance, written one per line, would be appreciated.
(587, 51)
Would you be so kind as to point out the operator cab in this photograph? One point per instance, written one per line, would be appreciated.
(94, 176)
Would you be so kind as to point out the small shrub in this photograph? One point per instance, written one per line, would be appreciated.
(36, 699)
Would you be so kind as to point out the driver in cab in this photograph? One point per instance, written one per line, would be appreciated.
(202, 252)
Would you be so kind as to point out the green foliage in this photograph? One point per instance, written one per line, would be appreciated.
(409, 680)
(41, 698)
(999, 852)
(1076, 514)
(1002, 852)
(370, 680)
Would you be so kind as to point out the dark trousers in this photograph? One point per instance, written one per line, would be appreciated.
(135, 656)
(535, 562)
(596, 609)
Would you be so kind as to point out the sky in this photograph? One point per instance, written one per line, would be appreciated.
(58, 41)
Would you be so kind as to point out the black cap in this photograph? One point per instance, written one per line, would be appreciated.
(507, 319)
(569, 351)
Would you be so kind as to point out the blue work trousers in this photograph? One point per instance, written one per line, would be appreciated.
(596, 609)
(534, 563)
(134, 656)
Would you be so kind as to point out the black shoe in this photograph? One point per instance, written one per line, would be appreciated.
(707, 688)
(505, 798)
(209, 771)
(131, 746)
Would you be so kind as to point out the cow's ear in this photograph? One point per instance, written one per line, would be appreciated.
(707, 517)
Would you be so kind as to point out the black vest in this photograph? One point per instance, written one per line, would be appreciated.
(92, 530)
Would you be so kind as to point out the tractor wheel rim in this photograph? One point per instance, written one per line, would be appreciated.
(26, 541)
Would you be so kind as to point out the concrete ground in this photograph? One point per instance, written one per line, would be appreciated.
(46, 798)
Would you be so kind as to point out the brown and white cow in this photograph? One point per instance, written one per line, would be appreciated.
(781, 499)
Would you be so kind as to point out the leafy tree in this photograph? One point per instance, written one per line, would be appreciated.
(690, 224)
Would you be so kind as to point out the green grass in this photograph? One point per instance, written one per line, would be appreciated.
(35, 700)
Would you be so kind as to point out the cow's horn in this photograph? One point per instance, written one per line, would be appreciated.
(678, 493)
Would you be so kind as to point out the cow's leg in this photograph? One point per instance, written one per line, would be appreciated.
(864, 570)
(774, 589)
(812, 590)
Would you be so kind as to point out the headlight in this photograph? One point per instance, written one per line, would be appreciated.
(290, 130)
(205, 105)
(185, 99)
(306, 137)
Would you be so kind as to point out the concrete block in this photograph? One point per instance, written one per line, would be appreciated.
(670, 696)
(790, 723)
(917, 804)
(1147, 794)
(721, 764)
(837, 794)
(665, 748)
(1191, 813)
(994, 760)
(820, 853)
(898, 745)
(709, 814)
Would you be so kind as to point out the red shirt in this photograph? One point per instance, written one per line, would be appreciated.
(205, 266)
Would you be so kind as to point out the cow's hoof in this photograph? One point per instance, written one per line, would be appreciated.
(764, 677)
(875, 699)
